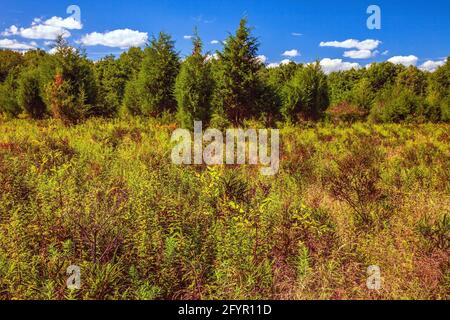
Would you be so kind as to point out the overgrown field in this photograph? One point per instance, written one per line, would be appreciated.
(105, 196)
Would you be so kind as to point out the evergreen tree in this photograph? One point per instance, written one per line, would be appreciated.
(131, 61)
(9, 60)
(439, 93)
(29, 94)
(238, 90)
(111, 80)
(156, 81)
(193, 88)
(9, 105)
(306, 95)
(72, 93)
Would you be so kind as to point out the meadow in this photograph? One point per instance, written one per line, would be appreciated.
(104, 195)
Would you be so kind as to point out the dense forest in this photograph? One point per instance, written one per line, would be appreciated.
(225, 88)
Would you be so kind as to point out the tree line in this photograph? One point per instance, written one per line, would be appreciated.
(223, 89)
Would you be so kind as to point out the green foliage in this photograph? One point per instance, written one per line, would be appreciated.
(9, 60)
(395, 105)
(156, 80)
(238, 87)
(194, 87)
(413, 79)
(341, 84)
(30, 96)
(131, 61)
(381, 75)
(9, 105)
(306, 95)
(111, 79)
(73, 92)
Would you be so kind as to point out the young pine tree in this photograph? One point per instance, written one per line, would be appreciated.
(74, 82)
(111, 80)
(29, 94)
(306, 95)
(156, 81)
(9, 105)
(238, 86)
(193, 88)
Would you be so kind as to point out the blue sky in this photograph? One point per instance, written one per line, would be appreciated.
(412, 32)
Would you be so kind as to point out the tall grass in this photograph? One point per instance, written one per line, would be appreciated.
(105, 196)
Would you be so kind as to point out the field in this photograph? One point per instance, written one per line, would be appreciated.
(104, 195)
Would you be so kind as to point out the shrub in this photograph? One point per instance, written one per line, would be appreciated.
(155, 84)
(8, 98)
(396, 105)
(29, 95)
(306, 95)
(355, 180)
(193, 88)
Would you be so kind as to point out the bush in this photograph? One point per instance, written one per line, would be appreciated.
(193, 88)
(8, 98)
(306, 95)
(396, 105)
(29, 95)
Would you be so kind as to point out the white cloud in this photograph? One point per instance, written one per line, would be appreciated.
(277, 64)
(121, 38)
(368, 44)
(404, 60)
(359, 54)
(47, 30)
(431, 66)
(334, 65)
(291, 53)
(296, 34)
(210, 57)
(188, 37)
(215, 42)
(68, 23)
(15, 45)
(262, 58)
(385, 53)
(37, 31)
(52, 50)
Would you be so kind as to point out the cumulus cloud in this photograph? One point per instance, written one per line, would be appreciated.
(261, 58)
(188, 37)
(291, 53)
(37, 31)
(15, 45)
(296, 34)
(215, 42)
(404, 60)
(431, 66)
(360, 54)
(121, 38)
(385, 53)
(47, 30)
(277, 64)
(368, 44)
(334, 65)
(210, 57)
(67, 23)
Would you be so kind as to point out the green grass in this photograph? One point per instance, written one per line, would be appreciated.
(104, 195)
